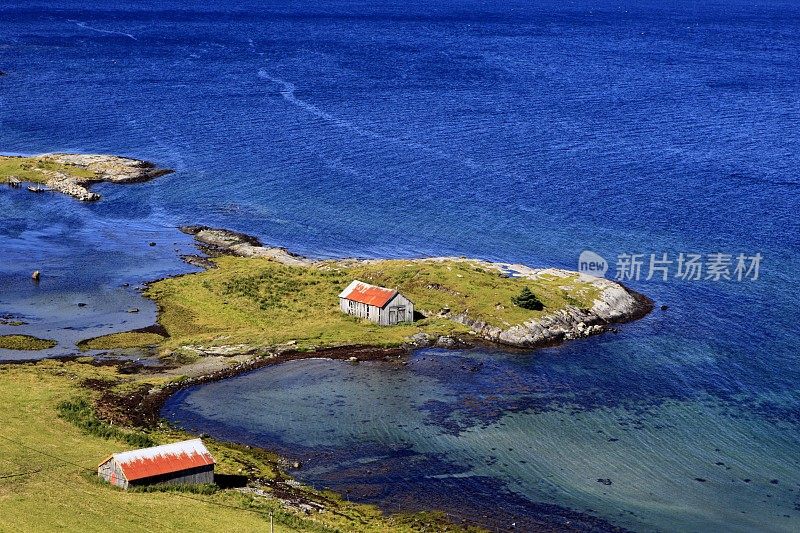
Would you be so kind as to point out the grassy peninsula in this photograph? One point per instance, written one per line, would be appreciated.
(128, 339)
(262, 302)
(253, 299)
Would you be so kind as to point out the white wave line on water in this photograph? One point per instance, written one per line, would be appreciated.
(288, 89)
(99, 30)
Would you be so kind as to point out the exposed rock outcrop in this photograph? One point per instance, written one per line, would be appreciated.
(616, 304)
(105, 168)
(216, 241)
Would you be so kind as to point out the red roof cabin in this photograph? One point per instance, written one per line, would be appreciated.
(378, 304)
(180, 463)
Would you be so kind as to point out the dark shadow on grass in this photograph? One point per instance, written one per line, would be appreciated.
(230, 481)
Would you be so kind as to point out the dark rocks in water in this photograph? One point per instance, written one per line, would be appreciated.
(9, 319)
(747, 480)
(604, 481)
(774, 481)
(700, 479)
(199, 261)
(452, 343)
(664, 307)
(2, 73)
(151, 244)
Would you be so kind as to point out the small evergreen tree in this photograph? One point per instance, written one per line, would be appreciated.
(527, 300)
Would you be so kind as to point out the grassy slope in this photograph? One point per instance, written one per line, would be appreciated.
(62, 492)
(30, 169)
(25, 342)
(263, 302)
(63, 495)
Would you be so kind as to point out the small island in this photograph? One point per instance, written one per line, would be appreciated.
(72, 174)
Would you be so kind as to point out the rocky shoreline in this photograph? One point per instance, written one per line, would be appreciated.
(616, 303)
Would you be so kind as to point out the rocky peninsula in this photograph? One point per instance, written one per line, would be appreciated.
(73, 174)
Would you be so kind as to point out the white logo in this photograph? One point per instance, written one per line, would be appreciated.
(592, 264)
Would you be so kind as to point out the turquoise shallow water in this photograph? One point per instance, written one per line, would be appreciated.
(516, 131)
(495, 442)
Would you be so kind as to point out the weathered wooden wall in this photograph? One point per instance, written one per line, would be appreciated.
(395, 304)
(112, 473)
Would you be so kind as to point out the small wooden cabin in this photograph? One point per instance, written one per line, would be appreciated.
(378, 304)
(181, 463)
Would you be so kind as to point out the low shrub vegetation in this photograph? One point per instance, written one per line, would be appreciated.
(81, 413)
(527, 300)
(35, 169)
(199, 488)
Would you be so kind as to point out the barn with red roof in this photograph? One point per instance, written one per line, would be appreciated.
(180, 463)
(378, 304)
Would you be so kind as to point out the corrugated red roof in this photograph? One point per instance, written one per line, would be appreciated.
(364, 293)
(151, 462)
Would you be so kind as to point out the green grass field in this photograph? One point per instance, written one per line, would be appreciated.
(265, 303)
(47, 465)
(31, 169)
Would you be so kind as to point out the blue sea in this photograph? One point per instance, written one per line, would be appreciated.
(516, 131)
